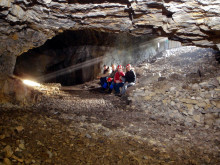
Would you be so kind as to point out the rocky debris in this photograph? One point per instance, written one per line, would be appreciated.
(174, 121)
(7, 161)
(8, 151)
(185, 97)
(19, 128)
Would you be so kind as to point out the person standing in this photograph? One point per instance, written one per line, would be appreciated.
(130, 79)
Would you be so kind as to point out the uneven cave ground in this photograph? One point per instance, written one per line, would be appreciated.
(85, 126)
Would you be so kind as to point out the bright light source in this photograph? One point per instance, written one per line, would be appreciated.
(31, 83)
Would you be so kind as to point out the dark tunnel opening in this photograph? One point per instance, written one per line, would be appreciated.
(63, 51)
(59, 56)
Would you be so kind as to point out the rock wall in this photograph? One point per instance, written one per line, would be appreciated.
(74, 47)
(28, 24)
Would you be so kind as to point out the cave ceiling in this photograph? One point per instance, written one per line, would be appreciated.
(26, 24)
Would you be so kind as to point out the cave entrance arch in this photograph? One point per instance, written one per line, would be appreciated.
(76, 47)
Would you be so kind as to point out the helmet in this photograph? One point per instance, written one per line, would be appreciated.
(119, 67)
(109, 79)
(128, 65)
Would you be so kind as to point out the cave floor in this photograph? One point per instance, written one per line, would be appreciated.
(90, 127)
(105, 131)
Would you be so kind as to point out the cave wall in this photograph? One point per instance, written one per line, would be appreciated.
(28, 24)
(74, 47)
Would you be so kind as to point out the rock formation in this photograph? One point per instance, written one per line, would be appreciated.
(29, 23)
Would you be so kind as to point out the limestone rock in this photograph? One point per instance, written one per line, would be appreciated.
(19, 128)
(218, 104)
(209, 118)
(18, 12)
(21, 146)
(189, 101)
(197, 118)
(6, 3)
(217, 122)
(201, 104)
(2, 137)
(173, 103)
(218, 78)
(190, 109)
(147, 98)
(195, 87)
(44, 1)
(8, 151)
(7, 161)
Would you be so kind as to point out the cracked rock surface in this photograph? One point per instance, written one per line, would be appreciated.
(28, 24)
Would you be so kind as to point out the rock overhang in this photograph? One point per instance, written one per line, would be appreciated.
(27, 24)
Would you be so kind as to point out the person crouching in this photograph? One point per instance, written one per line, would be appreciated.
(118, 80)
(104, 76)
(110, 79)
(130, 79)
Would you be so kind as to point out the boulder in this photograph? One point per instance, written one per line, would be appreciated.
(218, 78)
(201, 104)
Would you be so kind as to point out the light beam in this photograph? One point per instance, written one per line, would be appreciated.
(70, 69)
(31, 83)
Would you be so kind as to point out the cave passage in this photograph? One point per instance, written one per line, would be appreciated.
(75, 57)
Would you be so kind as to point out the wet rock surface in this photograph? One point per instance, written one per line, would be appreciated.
(171, 121)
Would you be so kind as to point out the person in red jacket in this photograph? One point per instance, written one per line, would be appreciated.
(118, 82)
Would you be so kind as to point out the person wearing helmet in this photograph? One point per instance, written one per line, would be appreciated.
(113, 71)
(118, 82)
(130, 78)
(111, 78)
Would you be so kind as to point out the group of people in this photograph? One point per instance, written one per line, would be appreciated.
(115, 79)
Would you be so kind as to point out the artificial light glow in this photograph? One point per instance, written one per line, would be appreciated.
(31, 83)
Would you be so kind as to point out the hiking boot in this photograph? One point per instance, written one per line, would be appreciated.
(102, 90)
(117, 94)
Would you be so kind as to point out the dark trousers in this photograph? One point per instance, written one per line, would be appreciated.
(117, 86)
(103, 81)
